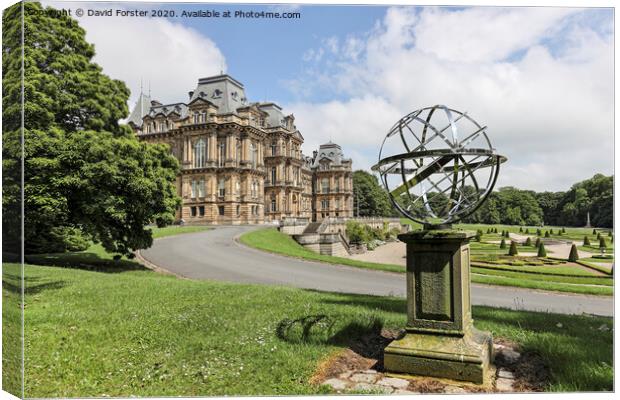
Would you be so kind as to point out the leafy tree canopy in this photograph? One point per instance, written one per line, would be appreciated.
(370, 200)
(85, 176)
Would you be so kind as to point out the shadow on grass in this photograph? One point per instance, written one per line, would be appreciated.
(364, 337)
(32, 288)
(84, 261)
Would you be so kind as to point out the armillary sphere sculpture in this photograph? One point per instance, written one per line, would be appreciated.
(438, 165)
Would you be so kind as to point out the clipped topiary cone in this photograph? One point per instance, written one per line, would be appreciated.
(541, 251)
(586, 241)
(528, 241)
(547, 234)
(527, 230)
(602, 244)
(573, 256)
(502, 245)
(551, 231)
(513, 249)
(537, 244)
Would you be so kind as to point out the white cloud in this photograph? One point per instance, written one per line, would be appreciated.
(168, 55)
(550, 110)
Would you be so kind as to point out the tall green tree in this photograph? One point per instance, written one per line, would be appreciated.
(369, 198)
(85, 176)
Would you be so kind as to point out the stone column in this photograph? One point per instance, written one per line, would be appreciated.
(441, 340)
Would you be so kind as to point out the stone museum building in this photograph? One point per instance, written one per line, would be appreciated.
(241, 162)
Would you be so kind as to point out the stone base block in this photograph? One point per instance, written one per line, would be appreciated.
(465, 358)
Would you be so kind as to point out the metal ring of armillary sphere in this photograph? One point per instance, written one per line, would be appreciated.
(438, 165)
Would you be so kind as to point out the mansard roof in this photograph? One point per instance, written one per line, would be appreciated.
(142, 107)
(332, 153)
(224, 91)
(166, 109)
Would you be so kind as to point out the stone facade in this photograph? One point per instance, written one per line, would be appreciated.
(241, 162)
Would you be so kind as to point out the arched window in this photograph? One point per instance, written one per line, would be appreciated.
(200, 151)
(204, 117)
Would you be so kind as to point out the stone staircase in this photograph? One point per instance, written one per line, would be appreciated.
(313, 227)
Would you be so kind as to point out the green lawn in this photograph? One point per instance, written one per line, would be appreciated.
(96, 258)
(271, 240)
(177, 230)
(139, 333)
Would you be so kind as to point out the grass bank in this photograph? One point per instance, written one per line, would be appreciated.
(273, 241)
(139, 333)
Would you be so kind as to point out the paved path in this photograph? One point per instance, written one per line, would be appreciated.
(215, 255)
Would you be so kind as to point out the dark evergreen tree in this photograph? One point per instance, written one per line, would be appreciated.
(85, 176)
(586, 241)
(502, 244)
(541, 250)
(513, 249)
(574, 255)
(528, 241)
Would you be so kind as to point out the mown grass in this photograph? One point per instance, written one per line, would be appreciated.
(273, 241)
(503, 280)
(583, 280)
(543, 269)
(177, 230)
(97, 259)
(139, 333)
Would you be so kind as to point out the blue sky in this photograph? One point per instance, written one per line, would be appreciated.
(541, 78)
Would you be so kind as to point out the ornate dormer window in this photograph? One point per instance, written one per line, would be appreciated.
(217, 93)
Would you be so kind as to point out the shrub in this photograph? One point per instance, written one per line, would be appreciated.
(598, 236)
(541, 251)
(610, 234)
(547, 234)
(563, 230)
(528, 241)
(594, 231)
(521, 229)
(357, 232)
(602, 244)
(573, 256)
(502, 245)
(478, 237)
(527, 231)
(394, 232)
(513, 249)
(586, 241)
(488, 230)
(538, 242)
(551, 231)
(538, 232)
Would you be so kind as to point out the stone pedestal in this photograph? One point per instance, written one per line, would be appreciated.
(441, 340)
